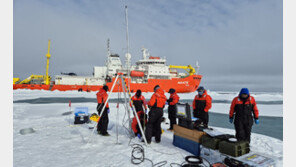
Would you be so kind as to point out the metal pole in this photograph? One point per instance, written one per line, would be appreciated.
(126, 21)
(117, 114)
(128, 53)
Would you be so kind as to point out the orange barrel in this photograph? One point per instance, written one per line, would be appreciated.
(137, 74)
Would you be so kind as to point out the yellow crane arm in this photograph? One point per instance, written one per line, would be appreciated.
(27, 80)
(15, 80)
(188, 68)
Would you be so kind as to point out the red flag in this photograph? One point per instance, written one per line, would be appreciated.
(69, 103)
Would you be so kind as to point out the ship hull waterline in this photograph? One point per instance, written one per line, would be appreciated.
(181, 85)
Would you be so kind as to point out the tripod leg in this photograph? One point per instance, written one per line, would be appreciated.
(137, 118)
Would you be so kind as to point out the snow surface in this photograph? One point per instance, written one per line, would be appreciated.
(57, 142)
(264, 109)
(30, 94)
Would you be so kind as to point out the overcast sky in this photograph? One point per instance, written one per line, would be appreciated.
(237, 43)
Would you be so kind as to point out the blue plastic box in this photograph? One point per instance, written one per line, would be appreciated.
(186, 144)
(81, 111)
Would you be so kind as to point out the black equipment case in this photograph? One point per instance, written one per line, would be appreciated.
(184, 115)
(81, 119)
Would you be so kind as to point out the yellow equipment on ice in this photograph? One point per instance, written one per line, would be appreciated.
(94, 117)
(188, 68)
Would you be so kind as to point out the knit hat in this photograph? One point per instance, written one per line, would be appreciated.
(106, 88)
(244, 91)
(172, 90)
(156, 87)
(201, 88)
(138, 93)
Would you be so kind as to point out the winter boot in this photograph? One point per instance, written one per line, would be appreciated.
(106, 134)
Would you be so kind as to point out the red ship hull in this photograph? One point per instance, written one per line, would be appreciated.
(181, 85)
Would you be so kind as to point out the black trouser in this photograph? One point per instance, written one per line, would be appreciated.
(172, 115)
(202, 116)
(243, 131)
(104, 120)
(153, 126)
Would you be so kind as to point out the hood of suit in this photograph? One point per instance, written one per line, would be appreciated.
(204, 93)
(160, 93)
(102, 91)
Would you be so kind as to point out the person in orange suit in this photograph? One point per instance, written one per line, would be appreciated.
(202, 103)
(139, 101)
(104, 120)
(156, 105)
(172, 109)
(135, 126)
(244, 110)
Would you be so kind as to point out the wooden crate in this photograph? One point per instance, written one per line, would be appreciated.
(190, 134)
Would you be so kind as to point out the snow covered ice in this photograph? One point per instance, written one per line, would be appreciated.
(58, 142)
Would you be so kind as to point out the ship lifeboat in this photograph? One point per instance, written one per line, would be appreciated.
(137, 74)
(151, 57)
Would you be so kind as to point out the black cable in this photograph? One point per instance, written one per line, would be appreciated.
(196, 159)
(173, 163)
(193, 161)
(138, 156)
(206, 161)
(162, 163)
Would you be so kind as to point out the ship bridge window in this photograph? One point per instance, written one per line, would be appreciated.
(114, 55)
(150, 63)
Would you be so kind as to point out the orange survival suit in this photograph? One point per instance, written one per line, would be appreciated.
(104, 120)
(156, 105)
(172, 109)
(201, 105)
(243, 111)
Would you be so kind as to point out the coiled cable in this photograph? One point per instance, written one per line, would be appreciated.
(138, 156)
